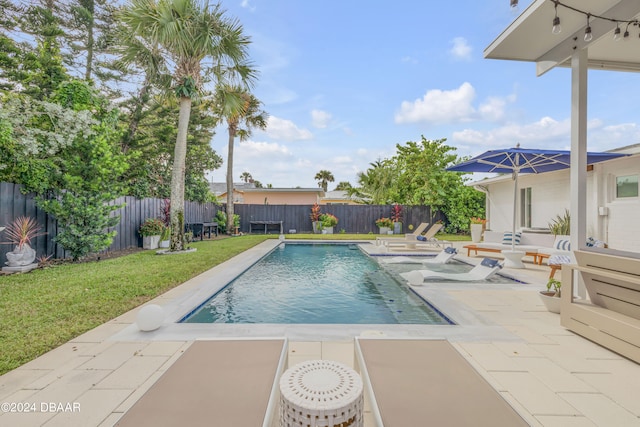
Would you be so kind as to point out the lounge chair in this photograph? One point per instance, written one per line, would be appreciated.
(409, 237)
(428, 240)
(428, 382)
(218, 382)
(442, 258)
(483, 271)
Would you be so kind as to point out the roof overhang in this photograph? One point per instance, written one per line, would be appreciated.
(529, 37)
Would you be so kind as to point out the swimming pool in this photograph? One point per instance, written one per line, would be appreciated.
(316, 283)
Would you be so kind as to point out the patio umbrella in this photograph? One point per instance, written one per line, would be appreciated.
(521, 160)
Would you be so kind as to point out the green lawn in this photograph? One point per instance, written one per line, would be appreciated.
(47, 307)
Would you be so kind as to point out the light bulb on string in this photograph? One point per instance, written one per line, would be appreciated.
(587, 31)
(616, 33)
(556, 29)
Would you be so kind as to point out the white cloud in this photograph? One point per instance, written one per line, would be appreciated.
(286, 130)
(409, 60)
(320, 118)
(246, 5)
(439, 106)
(453, 106)
(460, 49)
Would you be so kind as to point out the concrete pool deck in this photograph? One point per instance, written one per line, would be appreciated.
(551, 376)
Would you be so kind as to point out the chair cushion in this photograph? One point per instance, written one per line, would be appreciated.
(559, 259)
(507, 237)
(450, 250)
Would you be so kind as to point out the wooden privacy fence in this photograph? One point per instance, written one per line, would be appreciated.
(359, 219)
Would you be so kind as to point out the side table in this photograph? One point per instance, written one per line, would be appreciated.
(321, 393)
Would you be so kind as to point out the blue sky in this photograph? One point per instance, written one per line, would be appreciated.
(345, 81)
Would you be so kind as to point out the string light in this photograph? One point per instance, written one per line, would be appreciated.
(588, 36)
(587, 31)
(556, 29)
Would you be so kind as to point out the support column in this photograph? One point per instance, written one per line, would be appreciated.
(578, 171)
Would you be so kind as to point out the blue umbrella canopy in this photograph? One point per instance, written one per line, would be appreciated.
(522, 160)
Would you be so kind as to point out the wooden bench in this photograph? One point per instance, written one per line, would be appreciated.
(476, 248)
(265, 224)
(611, 316)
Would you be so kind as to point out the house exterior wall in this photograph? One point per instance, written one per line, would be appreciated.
(617, 224)
(280, 197)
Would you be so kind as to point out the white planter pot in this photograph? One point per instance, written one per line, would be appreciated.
(327, 230)
(317, 227)
(164, 243)
(551, 302)
(476, 232)
(384, 230)
(397, 228)
(150, 242)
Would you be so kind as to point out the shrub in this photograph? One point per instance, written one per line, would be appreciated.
(328, 220)
(384, 222)
(151, 227)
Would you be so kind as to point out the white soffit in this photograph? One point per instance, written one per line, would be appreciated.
(529, 37)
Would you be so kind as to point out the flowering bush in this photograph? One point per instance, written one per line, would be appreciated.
(478, 221)
(151, 227)
(384, 222)
(396, 213)
(328, 220)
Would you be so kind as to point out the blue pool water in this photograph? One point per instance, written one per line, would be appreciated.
(316, 284)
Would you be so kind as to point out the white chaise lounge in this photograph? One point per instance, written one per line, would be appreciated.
(483, 271)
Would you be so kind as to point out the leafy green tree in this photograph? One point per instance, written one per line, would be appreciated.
(375, 184)
(343, 186)
(87, 177)
(242, 113)
(188, 32)
(324, 177)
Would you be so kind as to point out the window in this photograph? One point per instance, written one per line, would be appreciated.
(627, 186)
(525, 207)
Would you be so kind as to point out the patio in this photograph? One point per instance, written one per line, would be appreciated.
(549, 375)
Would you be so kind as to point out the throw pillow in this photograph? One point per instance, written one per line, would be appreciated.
(488, 262)
(450, 250)
(421, 238)
(563, 245)
(507, 237)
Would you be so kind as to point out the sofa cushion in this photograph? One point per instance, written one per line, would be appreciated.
(562, 245)
(508, 236)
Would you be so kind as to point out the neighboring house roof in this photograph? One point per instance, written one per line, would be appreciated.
(338, 196)
(219, 188)
(281, 190)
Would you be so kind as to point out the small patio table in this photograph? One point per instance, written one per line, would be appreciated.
(319, 393)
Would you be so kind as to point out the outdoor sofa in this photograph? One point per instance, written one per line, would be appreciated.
(537, 245)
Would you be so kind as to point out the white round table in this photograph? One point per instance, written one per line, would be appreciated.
(513, 259)
(321, 393)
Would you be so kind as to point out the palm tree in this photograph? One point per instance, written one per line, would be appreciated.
(324, 177)
(246, 177)
(188, 32)
(242, 113)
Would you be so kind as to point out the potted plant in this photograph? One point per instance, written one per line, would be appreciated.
(384, 224)
(20, 233)
(165, 238)
(551, 297)
(396, 217)
(477, 227)
(315, 219)
(328, 222)
(151, 230)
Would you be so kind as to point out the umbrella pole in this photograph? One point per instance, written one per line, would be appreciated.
(515, 204)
